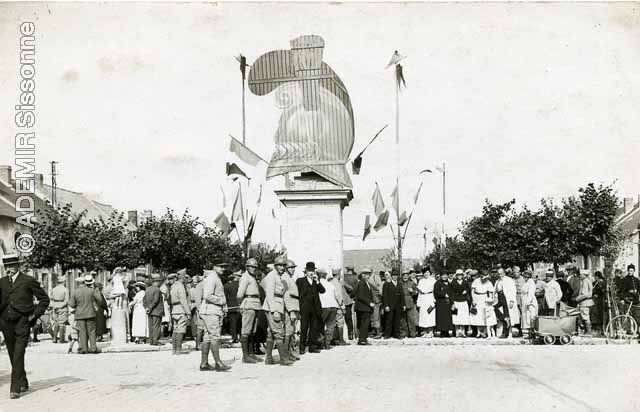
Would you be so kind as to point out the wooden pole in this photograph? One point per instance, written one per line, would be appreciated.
(400, 237)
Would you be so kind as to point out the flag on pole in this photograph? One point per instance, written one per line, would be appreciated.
(244, 154)
(395, 200)
(243, 65)
(382, 220)
(378, 203)
(252, 223)
(357, 162)
(273, 213)
(402, 219)
(222, 222)
(395, 59)
(367, 227)
(234, 171)
(237, 212)
(400, 77)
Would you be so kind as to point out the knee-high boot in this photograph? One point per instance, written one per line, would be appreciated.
(268, 359)
(215, 351)
(283, 351)
(204, 357)
(246, 354)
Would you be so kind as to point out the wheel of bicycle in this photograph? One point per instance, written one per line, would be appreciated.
(622, 327)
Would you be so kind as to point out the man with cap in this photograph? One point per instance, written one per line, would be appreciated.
(248, 296)
(363, 306)
(552, 294)
(60, 309)
(233, 314)
(291, 309)
(18, 314)
(310, 309)
(529, 303)
(329, 303)
(155, 308)
(196, 299)
(506, 307)
(85, 301)
(392, 301)
(574, 281)
(180, 311)
(376, 282)
(584, 300)
(212, 312)
(567, 291)
(274, 289)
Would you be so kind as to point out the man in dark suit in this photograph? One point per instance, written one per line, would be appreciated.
(309, 290)
(17, 316)
(364, 306)
(155, 309)
(392, 301)
(85, 301)
(233, 314)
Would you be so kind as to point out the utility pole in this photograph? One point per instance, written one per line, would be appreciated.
(54, 183)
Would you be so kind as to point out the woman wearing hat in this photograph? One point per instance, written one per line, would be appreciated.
(482, 314)
(140, 326)
(426, 303)
(461, 296)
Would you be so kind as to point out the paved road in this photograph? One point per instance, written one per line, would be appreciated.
(378, 378)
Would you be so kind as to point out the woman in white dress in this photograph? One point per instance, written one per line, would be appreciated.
(482, 313)
(529, 302)
(426, 304)
(139, 325)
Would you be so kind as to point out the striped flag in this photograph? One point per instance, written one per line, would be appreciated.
(367, 227)
(222, 222)
(378, 203)
(237, 213)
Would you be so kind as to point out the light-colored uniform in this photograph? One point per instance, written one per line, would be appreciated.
(584, 298)
(511, 295)
(340, 299)
(180, 307)
(291, 305)
(426, 300)
(530, 304)
(274, 289)
(212, 307)
(249, 297)
(196, 296)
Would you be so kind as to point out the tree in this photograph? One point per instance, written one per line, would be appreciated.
(108, 244)
(454, 253)
(390, 260)
(591, 219)
(266, 254)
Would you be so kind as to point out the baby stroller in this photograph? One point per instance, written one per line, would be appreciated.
(559, 328)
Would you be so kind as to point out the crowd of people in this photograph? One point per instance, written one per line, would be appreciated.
(298, 312)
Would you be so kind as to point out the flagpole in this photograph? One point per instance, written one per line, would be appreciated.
(244, 121)
(399, 239)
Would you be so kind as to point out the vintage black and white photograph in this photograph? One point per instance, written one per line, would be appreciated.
(327, 206)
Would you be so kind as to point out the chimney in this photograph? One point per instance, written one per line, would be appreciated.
(628, 204)
(132, 217)
(39, 182)
(5, 174)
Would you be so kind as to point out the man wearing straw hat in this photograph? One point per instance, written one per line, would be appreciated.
(18, 313)
(60, 312)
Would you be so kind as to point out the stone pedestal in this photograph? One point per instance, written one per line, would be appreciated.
(118, 327)
(313, 228)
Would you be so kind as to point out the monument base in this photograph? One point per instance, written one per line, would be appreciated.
(118, 327)
(313, 229)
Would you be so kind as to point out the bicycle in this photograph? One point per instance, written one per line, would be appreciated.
(622, 327)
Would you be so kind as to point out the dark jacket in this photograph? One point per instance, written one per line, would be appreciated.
(629, 289)
(567, 290)
(20, 296)
(231, 292)
(85, 302)
(460, 292)
(392, 296)
(153, 301)
(310, 296)
(409, 291)
(363, 297)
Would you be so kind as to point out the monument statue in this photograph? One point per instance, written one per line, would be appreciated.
(315, 132)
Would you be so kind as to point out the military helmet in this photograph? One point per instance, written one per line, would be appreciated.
(251, 262)
(291, 264)
(280, 260)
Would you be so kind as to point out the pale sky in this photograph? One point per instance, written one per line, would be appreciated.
(520, 100)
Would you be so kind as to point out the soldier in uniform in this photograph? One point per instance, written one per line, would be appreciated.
(180, 312)
(274, 288)
(291, 309)
(60, 312)
(212, 311)
(196, 296)
(249, 301)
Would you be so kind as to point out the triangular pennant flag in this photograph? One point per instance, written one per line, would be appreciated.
(244, 153)
(395, 200)
(417, 196)
(237, 213)
(222, 222)
(356, 165)
(367, 227)
(382, 220)
(378, 203)
(400, 77)
(234, 171)
(252, 223)
(402, 219)
(395, 58)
